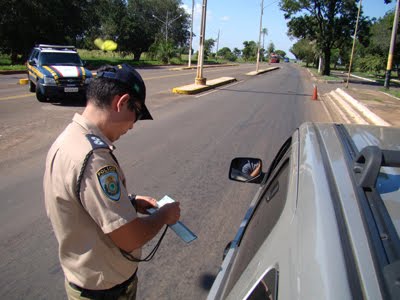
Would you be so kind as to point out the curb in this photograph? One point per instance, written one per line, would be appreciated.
(351, 113)
(191, 89)
(11, 72)
(363, 109)
(252, 73)
(354, 109)
(23, 81)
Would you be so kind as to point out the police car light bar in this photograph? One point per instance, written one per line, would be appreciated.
(42, 46)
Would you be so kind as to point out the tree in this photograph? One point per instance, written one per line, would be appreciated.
(163, 50)
(26, 23)
(142, 29)
(371, 63)
(226, 53)
(130, 23)
(281, 53)
(250, 50)
(381, 31)
(271, 48)
(237, 52)
(208, 45)
(304, 50)
(264, 32)
(326, 22)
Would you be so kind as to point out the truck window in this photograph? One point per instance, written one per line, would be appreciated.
(264, 218)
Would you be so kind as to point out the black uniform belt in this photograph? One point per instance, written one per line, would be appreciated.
(111, 293)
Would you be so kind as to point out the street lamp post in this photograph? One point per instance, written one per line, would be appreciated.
(191, 37)
(199, 76)
(354, 43)
(259, 36)
(166, 23)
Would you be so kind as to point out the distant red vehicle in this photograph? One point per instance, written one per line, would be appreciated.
(274, 58)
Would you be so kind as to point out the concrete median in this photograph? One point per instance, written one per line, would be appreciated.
(252, 73)
(191, 89)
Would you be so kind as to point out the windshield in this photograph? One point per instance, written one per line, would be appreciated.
(60, 59)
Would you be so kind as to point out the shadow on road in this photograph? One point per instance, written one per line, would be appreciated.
(206, 281)
(266, 93)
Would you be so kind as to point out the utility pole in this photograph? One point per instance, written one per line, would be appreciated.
(259, 36)
(216, 53)
(191, 37)
(166, 23)
(199, 76)
(392, 46)
(354, 43)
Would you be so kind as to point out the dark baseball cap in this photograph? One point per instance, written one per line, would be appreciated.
(130, 77)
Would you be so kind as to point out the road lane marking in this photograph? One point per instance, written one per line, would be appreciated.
(144, 78)
(15, 97)
(218, 89)
(182, 74)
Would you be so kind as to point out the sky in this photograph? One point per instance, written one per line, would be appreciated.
(236, 21)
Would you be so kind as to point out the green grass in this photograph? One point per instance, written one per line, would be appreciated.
(392, 92)
(95, 58)
(5, 64)
(323, 77)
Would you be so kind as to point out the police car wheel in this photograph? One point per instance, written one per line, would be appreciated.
(32, 87)
(39, 95)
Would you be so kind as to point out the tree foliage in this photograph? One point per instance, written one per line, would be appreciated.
(24, 23)
(227, 54)
(208, 45)
(281, 53)
(325, 21)
(304, 50)
(249, 51)
(130, 23)
(163, 51)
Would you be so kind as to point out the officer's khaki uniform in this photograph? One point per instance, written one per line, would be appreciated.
(88, 257)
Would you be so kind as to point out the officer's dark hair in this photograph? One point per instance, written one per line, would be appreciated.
(101, 91)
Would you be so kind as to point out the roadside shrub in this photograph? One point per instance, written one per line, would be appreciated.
(370, 63)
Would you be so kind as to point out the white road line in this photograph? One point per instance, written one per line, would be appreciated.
(216, 90)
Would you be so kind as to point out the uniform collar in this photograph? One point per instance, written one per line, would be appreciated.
(91, 128)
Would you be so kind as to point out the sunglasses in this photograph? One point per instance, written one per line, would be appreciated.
(134, 107)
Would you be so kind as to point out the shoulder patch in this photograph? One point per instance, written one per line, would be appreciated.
(109, 181)
(96, 141)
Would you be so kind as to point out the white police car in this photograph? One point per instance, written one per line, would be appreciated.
(56, 72)
(325, 221)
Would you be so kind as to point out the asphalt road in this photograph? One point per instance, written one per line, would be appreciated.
(184, 153)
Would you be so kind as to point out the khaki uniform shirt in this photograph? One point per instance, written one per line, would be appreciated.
(87, 255)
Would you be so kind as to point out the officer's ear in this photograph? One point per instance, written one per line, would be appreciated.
(119, 101)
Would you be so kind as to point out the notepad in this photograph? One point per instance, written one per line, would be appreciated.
(179, 228)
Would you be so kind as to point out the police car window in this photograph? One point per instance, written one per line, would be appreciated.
(266, 215)
(51, 58)
(35, 55)
(267, 288)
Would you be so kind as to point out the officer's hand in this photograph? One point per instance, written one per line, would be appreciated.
(170, 213)
(145, 202)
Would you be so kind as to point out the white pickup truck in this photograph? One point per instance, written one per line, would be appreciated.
(325, 221)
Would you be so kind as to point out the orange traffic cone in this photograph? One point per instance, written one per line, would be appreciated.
(315, 93)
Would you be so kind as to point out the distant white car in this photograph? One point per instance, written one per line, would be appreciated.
(325, 222)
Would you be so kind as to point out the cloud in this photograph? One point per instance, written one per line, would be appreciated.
(225, 18)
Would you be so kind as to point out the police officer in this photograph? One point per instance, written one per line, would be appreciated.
(94, 218)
